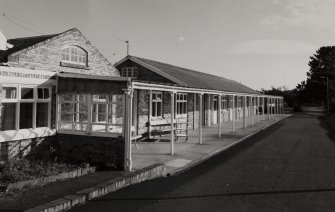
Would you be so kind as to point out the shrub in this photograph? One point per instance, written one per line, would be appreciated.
(23, 169)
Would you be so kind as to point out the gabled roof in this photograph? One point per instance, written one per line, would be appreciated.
(190, 78)
(23, 43)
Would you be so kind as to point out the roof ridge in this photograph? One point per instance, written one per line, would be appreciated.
(180, 67)
(40, 36)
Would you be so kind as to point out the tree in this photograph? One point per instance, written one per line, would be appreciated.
(314, 89)
(288, 95)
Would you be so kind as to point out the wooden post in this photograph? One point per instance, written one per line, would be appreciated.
(233, 112)
(127, 130)
(244, 112)
(209, 110)
(200, 117)
(194, 108)
(150, 113)
(251, 105)
(258, 109)
(219, 114)
(172, 123)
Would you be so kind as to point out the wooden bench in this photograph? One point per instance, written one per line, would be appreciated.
(134, 139)
(160, 126)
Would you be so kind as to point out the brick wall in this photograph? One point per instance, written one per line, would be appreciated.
(47, 56)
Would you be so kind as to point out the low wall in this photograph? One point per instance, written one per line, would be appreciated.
(99, 151)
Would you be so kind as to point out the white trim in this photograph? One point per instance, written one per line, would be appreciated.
(160, 87)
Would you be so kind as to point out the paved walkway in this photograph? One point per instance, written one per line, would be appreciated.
(190, 152)
(186, 155)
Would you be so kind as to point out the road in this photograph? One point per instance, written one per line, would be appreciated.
(287, 167)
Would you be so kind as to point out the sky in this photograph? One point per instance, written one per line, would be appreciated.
(260, 43)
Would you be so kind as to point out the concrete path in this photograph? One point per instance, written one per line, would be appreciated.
(287, 167)
(190, 153)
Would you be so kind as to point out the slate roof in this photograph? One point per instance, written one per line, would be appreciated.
(195, 79)
(22, 43)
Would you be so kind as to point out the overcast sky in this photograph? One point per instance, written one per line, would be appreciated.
(260, 43)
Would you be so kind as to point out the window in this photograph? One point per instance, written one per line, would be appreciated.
(75, 55)
(181, 103)
(24, 108)
(91, 113)
(239, 101)
(129, 72)
(157, 104)
(215, 103)
(224, 104)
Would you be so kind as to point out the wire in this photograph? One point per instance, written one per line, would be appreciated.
(15, 22)
(33, 24)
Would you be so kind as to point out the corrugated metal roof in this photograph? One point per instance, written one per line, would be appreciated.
(196, 79)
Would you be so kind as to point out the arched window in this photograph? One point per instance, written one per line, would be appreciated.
(74, 54)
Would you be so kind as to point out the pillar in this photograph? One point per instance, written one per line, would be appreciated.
(172, 124)
(219, 114)
(200, 117)
(209, 110)
(233, 116)
(251, 105)
(268, 107)
(244, 112)
(127, 128)
(257, 109)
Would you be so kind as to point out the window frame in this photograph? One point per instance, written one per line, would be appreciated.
(35, 100)
(183, 104)
(224, 102)
(133, 72)
(76, 55)
(90, 108)
(154, 114)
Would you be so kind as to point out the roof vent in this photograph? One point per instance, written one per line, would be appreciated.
(3, 42)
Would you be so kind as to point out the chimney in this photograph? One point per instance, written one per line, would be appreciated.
(3, 42)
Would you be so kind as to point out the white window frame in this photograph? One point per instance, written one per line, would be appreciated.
(181, 99)
(78, 55)
(224, 103)
(89, 123)
(132, 70)
(156, 101)
(18, 133)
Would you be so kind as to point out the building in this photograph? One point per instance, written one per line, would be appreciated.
(60, 90)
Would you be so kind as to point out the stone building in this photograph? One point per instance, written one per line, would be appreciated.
(60, 90)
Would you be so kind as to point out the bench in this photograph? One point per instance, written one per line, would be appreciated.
(160, 126)
(134, 139)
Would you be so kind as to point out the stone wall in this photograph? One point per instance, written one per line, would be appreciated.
(47, 56)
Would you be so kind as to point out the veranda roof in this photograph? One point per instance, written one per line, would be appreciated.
(190, 78)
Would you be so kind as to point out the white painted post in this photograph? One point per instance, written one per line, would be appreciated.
(251, 105)
(209, 110)
(233, 116)
(127, 126)
(150, 113)
(219, 114)
(263, 107)
(200, 117)
(172, 123)
(278, 107)
(257, 109)
(268, 106)
(194, 108)
(244, 112)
